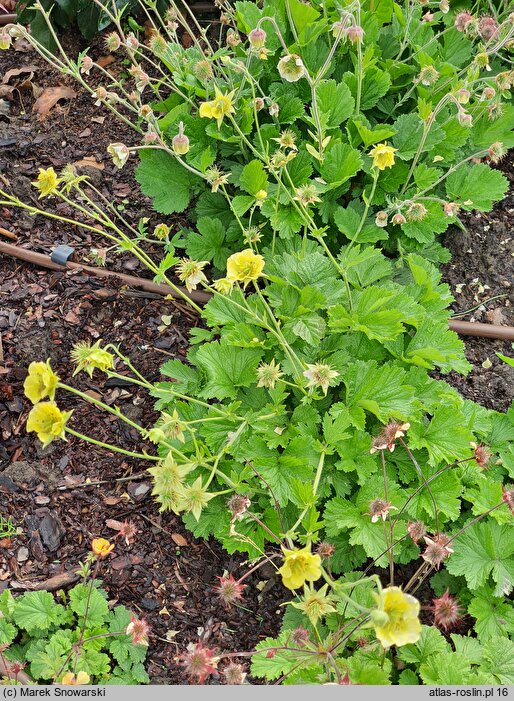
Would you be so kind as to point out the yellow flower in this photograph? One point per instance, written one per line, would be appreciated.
(48, 421)
(88, 357)
(219, 107)
(70, 679)
(47, 182)
(383, 156)
(396, 618)
(101, 547)
(223, 286)
(244, 266)
(41, 382)
(300, 566)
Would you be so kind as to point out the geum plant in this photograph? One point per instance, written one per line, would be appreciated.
(78, 641)
(324, 132)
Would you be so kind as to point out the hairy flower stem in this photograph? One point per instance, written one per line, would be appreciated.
(388, 540)
(425, 482)
(108, 446)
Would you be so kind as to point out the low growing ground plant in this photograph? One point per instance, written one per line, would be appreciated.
(77, 641)
(321, 149)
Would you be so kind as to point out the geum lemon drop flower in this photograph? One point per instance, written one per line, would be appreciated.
(70, 679)
(47, 182)
(219, 107)
(396, 618)
(41, 382)
(244, 266)
(48, 421)
(190, 272)
(383, 156)
(300, 566)
(101, 547)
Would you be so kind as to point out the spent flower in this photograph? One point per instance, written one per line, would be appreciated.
(138, 629)
(320, 375)
(437, 549)
(291, 68)
(269, 374)
(190, 272)
(447, 611)
(199, 662)
(229, 590)
(119, 153)
(89, 356)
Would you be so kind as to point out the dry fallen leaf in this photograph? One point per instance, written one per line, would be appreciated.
(50, 97)
(105, 61)
(88, 162)
(179, 540)
(15, 72)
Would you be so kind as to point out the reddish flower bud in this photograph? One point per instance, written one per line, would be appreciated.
(355, 34)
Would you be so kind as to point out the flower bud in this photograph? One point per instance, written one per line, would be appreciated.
(258, 103)
(180, 142)
(464, 118)
(151, 137)
(399, 219)
(381, 219)
(463, 96)
(274, 109)
(131, 42)
(355, 34)
(86, 65)
(233, 39)
(444, 6)
(488, 94)
(428, 17)
(5, 39)
(261, 195)
(16, 31)
(257, 38)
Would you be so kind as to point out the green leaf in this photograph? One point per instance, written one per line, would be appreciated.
(7, 632)
(476, 187)
(209, 244)
(379, 390)
(164, 180)
(409, 131)
(275, 665)
(434, 222)
(371, 314)
(309, 326)
(36, 610)
(445, 437)
(226, 368)
(98, 609)
(303, 15)
(365, 265)
(369, 668)
(185, 376)
(431, 642)
(253, 177)
(499, 660)
(335, 102)
(449, 669)
(434, 344)
(373, 136)
(484, 550)
(375, 85)
(341, 163)
(48, 662)
(494, 616)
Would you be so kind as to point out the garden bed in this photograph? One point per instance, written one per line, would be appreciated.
(165, 574)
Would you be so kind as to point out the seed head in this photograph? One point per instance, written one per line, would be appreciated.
(508, 497)
(234, 674)
(199, 662)
(481, 454)
(386, 439)
(463, 21)
(447, 611)
(238, 504)
(451, 209)
(378, 509)
(437, 550)
(381, 219)
(428, 75)
(229, 590)
(300, 636)
(325, 550)
(416, 212)
(112, 42)
(487, 28)
(138, 629)
(416, 530)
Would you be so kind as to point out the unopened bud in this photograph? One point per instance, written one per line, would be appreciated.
(464, 118)
(180, 142)
(463, 96)
(399, 219)
(259, 103)
(355, 34)
(257, 38)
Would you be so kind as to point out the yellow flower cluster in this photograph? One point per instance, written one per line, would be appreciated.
(219, 107)
(300, 566)
(396, 618)
(45, 418)
(383, 156)
(244, 266)
(41, 382)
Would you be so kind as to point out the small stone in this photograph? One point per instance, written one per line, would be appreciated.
(23, 554)
(51, 532)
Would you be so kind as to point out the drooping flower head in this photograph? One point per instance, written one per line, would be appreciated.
(487, 28)
(257, 38)
(41, 382)
(48, 422)
(383, 156)
(180, 142)
(101, 547)
(218, 108)
(245, 266)
(300, 566)
(138, 629)
(416, 530)
(190, 272)
(396, 618)
(437, 549)
(387, 437)
(89, 356)
(47, 182)
(463, 21)
(291, 68)
(199, 662)
(119, 153)
(508, 497)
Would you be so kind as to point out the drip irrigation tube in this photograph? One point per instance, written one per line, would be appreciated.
(7, 19)
(464, 328)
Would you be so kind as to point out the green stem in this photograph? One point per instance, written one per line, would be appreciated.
(108, 446)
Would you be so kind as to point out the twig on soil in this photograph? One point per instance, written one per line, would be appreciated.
(130, 478)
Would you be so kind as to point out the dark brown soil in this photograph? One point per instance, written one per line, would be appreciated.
(165, 574)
